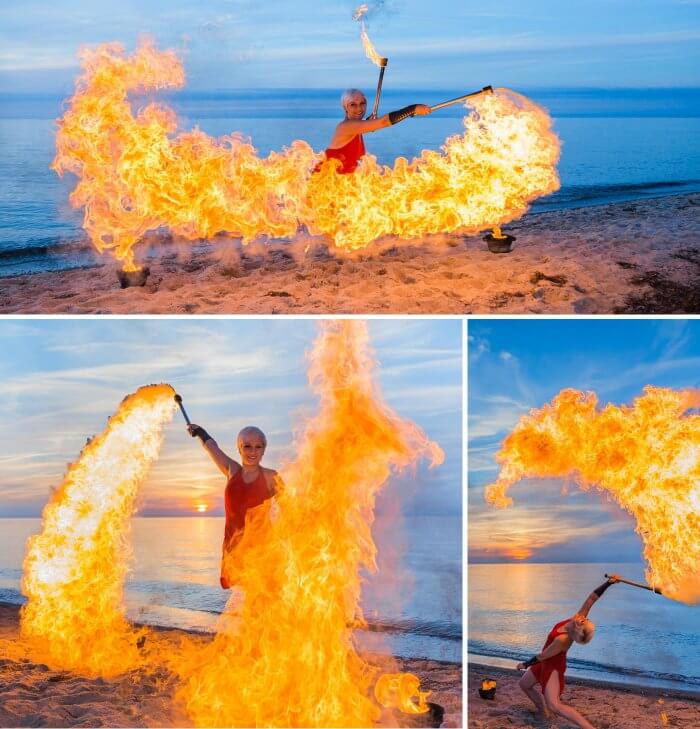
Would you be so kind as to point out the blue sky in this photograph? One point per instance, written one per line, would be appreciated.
(434, 45)
(518, 365)
(61, 379)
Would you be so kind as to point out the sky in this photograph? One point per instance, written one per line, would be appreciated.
(441, 44)
(61, 379)
(518, 365)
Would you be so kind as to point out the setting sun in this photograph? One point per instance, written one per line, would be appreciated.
(201, 508)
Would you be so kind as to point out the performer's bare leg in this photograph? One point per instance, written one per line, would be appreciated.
(527, 683)
(551, 695)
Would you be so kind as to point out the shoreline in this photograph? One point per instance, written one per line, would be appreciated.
(33, 694)
(83, 246)
(639, 256)
(606, 706)
(627, 687)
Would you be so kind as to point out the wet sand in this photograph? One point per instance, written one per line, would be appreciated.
(605, 705)
(629, 257)
(34, 695)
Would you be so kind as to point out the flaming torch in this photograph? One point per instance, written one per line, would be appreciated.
(637, 584)
(373, 56)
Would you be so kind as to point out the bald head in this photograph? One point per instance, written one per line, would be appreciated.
(251, 432)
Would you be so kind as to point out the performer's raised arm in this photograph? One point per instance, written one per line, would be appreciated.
(224, 463)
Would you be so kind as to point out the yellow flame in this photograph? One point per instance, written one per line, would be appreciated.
(401, 691)
(286, 656)
(647, 457)
(137, 174)
(74, 570)
(370, 51)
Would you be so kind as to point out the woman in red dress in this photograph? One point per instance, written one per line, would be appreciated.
(248, 485)
(548, 667)
(347, 144)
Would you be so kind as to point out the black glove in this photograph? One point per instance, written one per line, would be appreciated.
(396, 116)
(200, 433)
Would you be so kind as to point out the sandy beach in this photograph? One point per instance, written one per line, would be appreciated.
(629, 257)
(33, 695)
(606, 706)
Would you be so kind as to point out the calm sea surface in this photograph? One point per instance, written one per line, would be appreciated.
(617, 145)
(640, 637)
(413, 605)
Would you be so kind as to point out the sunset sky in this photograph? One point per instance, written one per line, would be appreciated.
(518, 365)
(442, 44)
(61, 379)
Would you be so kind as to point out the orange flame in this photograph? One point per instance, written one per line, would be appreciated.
(286, 656)
(647, 457)
(370, 52)
(74, 570)
(401, 691)
(137, 175)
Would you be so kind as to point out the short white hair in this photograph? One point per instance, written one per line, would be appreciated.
(252, 430)
(348, 94)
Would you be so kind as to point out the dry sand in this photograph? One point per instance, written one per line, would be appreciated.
(636, 257)
(33, 695)
(604, 705)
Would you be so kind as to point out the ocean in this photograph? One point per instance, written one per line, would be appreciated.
(623, 144)
(413, 605)
(641, 638)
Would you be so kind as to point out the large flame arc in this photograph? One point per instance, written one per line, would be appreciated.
(137, 173)
(74, 570)
(646, 457)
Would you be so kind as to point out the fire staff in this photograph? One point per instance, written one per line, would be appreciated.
(548, 667)
(347, 144)
(248, 485)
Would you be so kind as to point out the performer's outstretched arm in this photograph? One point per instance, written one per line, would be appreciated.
(596, 595)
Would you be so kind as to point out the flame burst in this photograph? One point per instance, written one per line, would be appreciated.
(646, 457)
(370, 51)
(137, 174)
(401, 691)
(74, 570)
(286, 656)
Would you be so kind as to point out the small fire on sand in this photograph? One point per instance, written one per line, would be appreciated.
(285, 656)
(646, 457)
(137, 171)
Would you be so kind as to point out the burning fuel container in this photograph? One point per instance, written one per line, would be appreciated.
(503, 244)
(133, 278)
(431, 718)
(487, 690)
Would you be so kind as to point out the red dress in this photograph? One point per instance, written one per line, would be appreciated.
(544, 669)
(239, 497)
(349, 154)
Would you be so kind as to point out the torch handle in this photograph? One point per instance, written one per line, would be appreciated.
(638, 584)
(378, 93)
(485, 90)
(178, 400)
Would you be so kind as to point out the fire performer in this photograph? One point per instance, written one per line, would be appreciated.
(347, 144)
(249, 484)
(548, 667)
